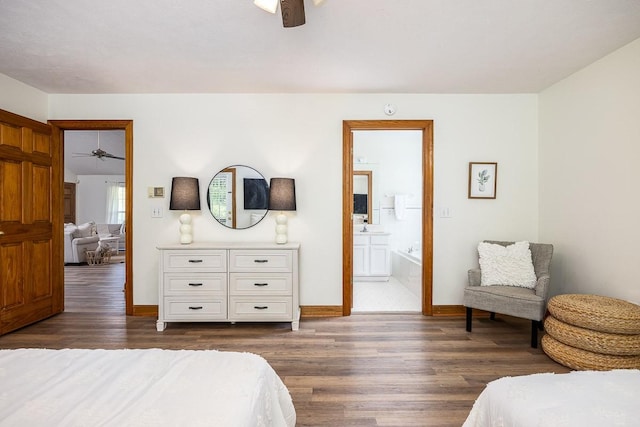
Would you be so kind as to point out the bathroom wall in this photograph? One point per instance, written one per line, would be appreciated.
(395, 157)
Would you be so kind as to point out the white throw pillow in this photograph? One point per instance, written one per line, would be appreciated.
(85, 230)
(506, 265)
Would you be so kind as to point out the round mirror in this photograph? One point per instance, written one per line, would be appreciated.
(238, 197)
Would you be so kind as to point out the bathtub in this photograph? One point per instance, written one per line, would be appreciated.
(407, 269)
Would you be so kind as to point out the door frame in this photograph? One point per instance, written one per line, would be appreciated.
(426, 126)
(58, 128)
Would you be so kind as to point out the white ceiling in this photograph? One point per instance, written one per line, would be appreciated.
(78, 145)
(350, 46)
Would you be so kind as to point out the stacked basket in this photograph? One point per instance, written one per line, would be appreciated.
(592, 332)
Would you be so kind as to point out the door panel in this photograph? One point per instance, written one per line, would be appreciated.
(30, 205)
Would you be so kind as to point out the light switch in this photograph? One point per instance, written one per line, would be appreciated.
(156, 212)
(445, 213)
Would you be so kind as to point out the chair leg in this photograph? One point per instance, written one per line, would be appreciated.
(534, 333)
(492, 316)
(469, 319)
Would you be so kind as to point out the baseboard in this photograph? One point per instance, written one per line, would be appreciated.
(145, 310)
(307, 311)
(449, 310)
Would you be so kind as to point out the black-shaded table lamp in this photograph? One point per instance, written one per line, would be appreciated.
(282, 197)
(185, 196)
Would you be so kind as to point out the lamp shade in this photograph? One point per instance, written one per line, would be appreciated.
(282, 194)
(268, 5)
(185, 194)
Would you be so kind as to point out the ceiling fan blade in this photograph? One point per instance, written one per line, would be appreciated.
(100, 153)
(292, 13)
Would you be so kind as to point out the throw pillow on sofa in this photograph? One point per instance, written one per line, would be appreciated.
(85, 230)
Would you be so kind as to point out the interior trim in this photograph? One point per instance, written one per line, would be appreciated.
(145, 310)
(308, 311)
(426, 126)
(58, 127)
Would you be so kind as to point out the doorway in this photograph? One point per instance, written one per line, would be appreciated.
(350, 217)
(59, 127)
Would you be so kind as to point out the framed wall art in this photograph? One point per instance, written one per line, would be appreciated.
(483, 178)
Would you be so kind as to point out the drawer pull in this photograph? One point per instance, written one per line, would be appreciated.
(196, 308)
(195, 261)
(261, 261)
(260, 307)
(260, 284)
(195, 284)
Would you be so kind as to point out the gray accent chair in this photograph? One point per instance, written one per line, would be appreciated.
(512, 300)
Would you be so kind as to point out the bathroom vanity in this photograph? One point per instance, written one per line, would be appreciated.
(371, 256)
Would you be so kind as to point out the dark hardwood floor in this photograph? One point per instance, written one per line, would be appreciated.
(362, 370)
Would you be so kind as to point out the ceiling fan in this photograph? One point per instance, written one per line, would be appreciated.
(292, 10)
(98, 153)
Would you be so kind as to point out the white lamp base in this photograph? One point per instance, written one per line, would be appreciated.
(186, 231)
(281, 228)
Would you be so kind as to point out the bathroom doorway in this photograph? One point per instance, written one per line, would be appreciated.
(387, 216)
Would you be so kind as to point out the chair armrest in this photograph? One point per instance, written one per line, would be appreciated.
(474, 277)
(542, 285)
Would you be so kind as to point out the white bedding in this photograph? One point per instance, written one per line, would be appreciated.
(140, 388)
(585, 398)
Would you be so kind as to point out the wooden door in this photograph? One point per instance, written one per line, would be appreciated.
(69, 201)
(31, 285)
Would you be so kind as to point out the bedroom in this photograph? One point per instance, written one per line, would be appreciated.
(545, 152)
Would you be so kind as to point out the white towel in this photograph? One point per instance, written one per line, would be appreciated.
(400, 202)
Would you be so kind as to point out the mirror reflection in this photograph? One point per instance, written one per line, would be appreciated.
(238, 197)
(362, 194)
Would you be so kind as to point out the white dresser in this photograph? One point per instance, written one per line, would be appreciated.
(232, 282)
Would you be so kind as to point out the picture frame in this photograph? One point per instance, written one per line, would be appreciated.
(483, 179)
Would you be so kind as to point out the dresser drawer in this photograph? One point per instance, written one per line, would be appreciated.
(260, 308)
(260, 260)
(260, 284)
(179, 308)
(214, 260)
(194, 283)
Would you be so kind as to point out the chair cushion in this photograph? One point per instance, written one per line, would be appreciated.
(511, 300)
(506, 265)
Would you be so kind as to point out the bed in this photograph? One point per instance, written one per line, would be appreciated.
(153, 387)
(585, 398)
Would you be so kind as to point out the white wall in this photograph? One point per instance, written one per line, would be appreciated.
(300, 136)
(91, 197)
(69, 176)
(589, 159)
(21, 99)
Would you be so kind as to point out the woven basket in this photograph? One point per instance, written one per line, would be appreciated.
(584, 360)
(597, 342)
(597, 313)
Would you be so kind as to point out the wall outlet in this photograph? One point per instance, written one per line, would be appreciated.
(156, 212)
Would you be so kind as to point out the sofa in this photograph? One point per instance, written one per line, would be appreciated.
(78, 239)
